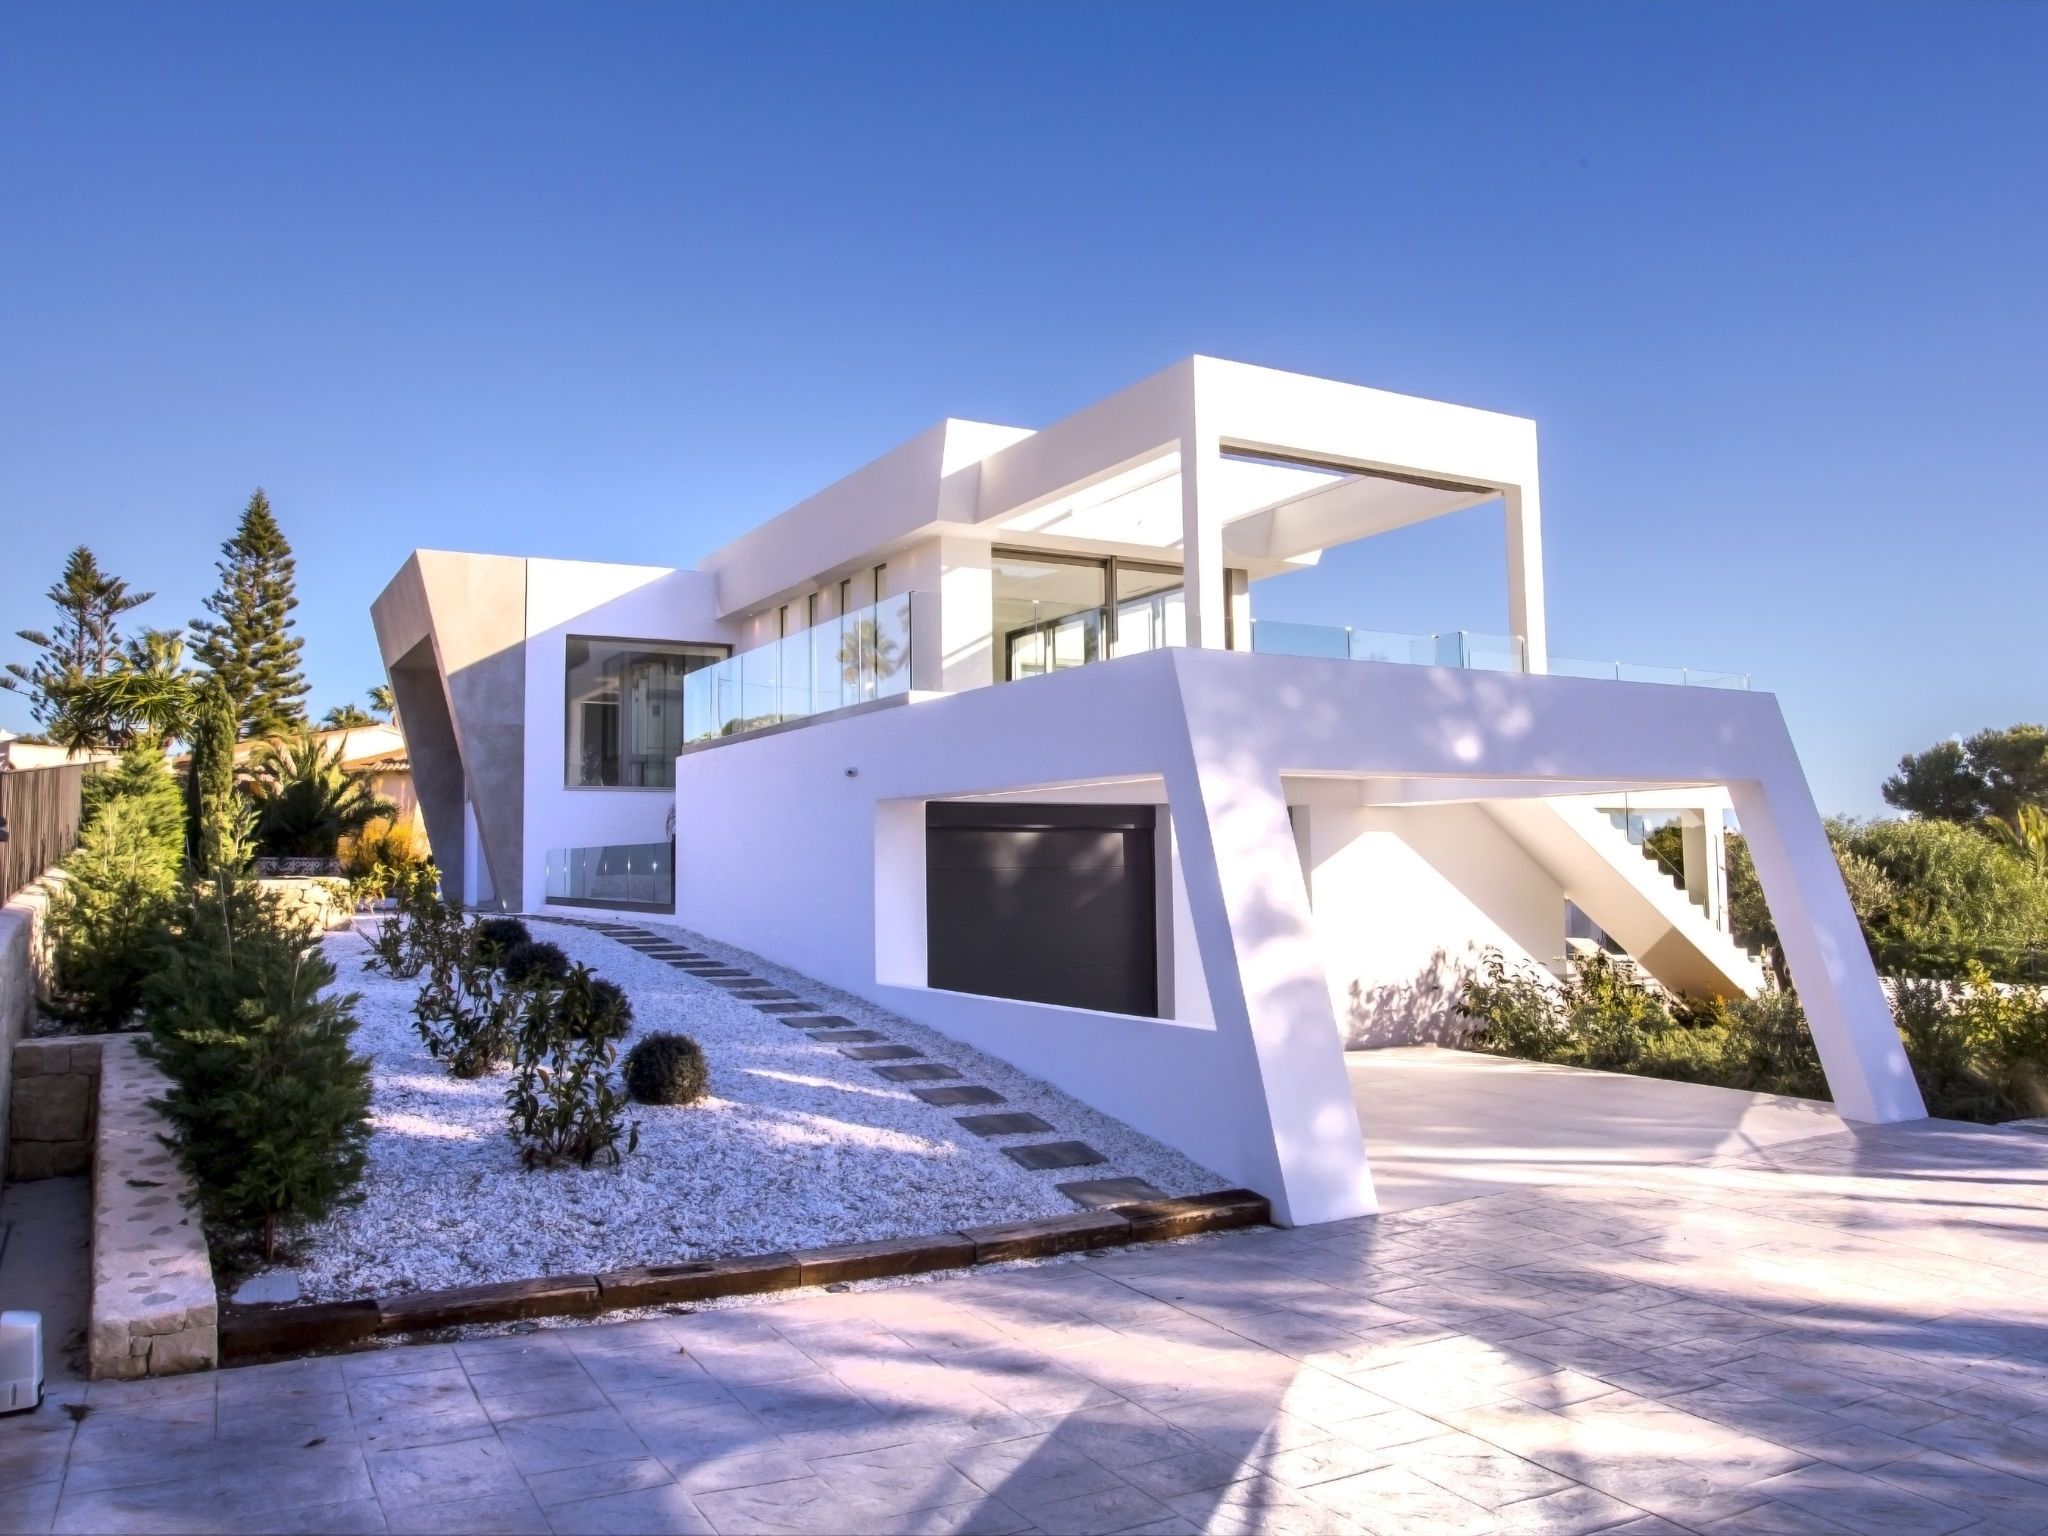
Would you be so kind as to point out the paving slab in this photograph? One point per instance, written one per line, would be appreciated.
(1837, 1332)
(1054, 1154)
(966, 1093)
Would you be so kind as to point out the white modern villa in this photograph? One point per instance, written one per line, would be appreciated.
(990, 733)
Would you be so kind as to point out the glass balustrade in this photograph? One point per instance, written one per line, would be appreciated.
(631, 876)
(860, 656)
(1463, 648)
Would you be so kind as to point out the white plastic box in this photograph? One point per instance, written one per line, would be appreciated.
(21, 1361)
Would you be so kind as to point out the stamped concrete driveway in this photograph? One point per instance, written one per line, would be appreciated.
(1843, 1332)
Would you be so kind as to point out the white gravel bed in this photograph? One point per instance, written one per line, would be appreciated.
(793, 1146)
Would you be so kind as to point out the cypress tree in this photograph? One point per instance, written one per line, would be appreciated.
(248, 643)
(210, 807)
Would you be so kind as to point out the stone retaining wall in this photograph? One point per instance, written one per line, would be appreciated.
(53, 1106)
(154, 1309)
(24, 974)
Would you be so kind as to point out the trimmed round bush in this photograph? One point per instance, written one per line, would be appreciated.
(532, 963)
(665, 1069)
(505, 932)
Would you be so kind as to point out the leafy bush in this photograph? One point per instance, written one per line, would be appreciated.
(1601, 1016)
(666, 1068)
(118, 890)
(505, 932)
(468, 1010)
(1979, 1050)
(269, 1104)
(563, 1102)
(105, 918)
(1934, 896)
(533, 962)
(382, 854)
(421, 924)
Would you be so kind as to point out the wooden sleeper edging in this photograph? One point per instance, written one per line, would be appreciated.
(248, 1333)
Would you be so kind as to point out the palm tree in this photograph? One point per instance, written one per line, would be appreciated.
(345, 717)
(305, 800)
(148, 695)
(2026, 833)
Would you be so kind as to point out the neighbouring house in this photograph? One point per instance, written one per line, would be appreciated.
(990, 732)
(18, 753)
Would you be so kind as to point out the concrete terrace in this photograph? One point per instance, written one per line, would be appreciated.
(1843, 1332)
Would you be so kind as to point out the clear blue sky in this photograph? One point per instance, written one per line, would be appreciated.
(619, 282)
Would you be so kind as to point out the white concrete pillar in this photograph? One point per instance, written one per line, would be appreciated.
(1201, 528)
(967, 607)
(1237, 591)
(1525, 575)
(1248, 906)
(1845, 1005)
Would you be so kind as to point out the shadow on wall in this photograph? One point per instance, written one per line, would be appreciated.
(1420, 1011)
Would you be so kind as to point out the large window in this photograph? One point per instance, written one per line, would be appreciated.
(1055, 611)
(625, 720)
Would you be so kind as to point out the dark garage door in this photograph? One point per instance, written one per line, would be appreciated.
(1044, 903)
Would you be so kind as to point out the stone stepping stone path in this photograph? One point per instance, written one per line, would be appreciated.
(964, 1094)
(1015, 1124)
(1054, 1154)
(868, 1045)
(917, 1072)
(1094, 1194)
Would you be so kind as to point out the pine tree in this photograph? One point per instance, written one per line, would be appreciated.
(269, 1104)
(119, 886)
(248, 643)
(86, 641)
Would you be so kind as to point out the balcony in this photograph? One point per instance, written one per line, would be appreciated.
(1464, 648)
(868, 654)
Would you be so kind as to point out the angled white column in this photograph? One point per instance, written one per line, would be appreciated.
(1248, 905)
(1838, 987)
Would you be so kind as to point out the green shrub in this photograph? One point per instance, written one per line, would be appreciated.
(506, 932)
(468, 1010)
(269, 1104)
(1600, 1016)
(665, 1068)
(119, 886)
(118, 889)
(563, 1102)
(420, 924)
(1979, 1050)
(1934, 896)
(531, 963)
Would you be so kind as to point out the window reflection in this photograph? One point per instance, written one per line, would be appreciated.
(625, 710)
(1053, 612)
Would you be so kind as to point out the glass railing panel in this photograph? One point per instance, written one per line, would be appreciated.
(1467, 649)
(634, 875)
(1388, 645)
(1280, 638)
(863, 655)
(1572, 666)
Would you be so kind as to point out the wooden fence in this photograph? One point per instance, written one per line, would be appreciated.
(39, 807)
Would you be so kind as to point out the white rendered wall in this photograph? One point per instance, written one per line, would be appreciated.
(630, 602)
(806, 846)
(1407, 900)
